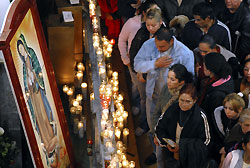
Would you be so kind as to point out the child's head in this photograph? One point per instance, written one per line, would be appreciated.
(233, 105)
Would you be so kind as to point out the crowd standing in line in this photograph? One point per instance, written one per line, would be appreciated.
(190, 61)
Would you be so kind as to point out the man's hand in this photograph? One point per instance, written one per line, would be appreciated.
(163, 62)
(156, 142)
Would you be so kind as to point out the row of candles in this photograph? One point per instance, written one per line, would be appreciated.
(114, 134)
(75, 100)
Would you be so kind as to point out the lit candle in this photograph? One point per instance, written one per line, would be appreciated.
(103, 123)
(125, 163)
(125, 116)
(65, 88)
(92, 96)
(84, 86)
(120, 98)
(75, 103)
(79, 97)
(110, 132)
(70, 92)
(115, 75)
(80, 124)
(125, 134)
(119, 144)
(120, 125)
(115, 83)
(79, 75)
(80, 67)
(131, 164)
(78, 109)
(73, 110)
(117, 133)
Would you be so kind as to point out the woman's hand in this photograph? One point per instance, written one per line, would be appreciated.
(175, 150)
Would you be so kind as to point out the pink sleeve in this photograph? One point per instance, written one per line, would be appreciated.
(123, 41)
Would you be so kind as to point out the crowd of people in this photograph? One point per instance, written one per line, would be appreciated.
(190, 62)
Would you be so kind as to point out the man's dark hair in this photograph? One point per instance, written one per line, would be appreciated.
(145, 6)
(208, 40)
(203, 10)
(164, 34)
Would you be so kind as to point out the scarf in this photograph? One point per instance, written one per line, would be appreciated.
(175, 94)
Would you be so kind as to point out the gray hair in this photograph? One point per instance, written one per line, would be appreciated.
(244, 115)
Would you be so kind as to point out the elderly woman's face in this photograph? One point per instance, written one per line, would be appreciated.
(186, 102)
(245, 126)
(247, 71)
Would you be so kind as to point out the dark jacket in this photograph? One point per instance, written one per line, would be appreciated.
(239, 21)
(215, 95)
(141, 36)
(170, 8)
(235, 137)
(213, 98)
(222, 126)
(192, 34)
(195, 131)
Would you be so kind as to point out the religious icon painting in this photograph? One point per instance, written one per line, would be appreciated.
(33, 83)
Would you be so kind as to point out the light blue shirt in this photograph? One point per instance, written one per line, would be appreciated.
(144, 62)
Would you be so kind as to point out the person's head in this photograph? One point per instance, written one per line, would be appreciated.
(144, 7)
(178, 76)
(203, 14)
(188, 97)
(246, 144)
(233, 5)
(207, 45)
(153, 20)
(215, 65)
(246, 70)
(233, 105)
(245, 120)
(164, 39)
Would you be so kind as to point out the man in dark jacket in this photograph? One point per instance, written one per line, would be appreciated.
(172, 8)
(205, 22)
(237, 18)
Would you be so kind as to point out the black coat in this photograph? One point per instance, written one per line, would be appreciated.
(192, 35)
(193, 139)
(222, 126)
(141, 36)
(239, 21)
(170, 8)
(214, 96)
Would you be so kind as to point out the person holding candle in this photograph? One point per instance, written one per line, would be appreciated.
(185, 124)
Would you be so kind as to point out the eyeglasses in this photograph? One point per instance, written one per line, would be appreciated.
(185, 101)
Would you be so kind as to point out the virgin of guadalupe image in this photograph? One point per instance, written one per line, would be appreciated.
(37, 101)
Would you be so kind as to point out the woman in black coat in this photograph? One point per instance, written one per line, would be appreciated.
(185, 124)
(216, 87)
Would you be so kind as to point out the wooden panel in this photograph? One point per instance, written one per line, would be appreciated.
(61, 48)
(64, 5)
